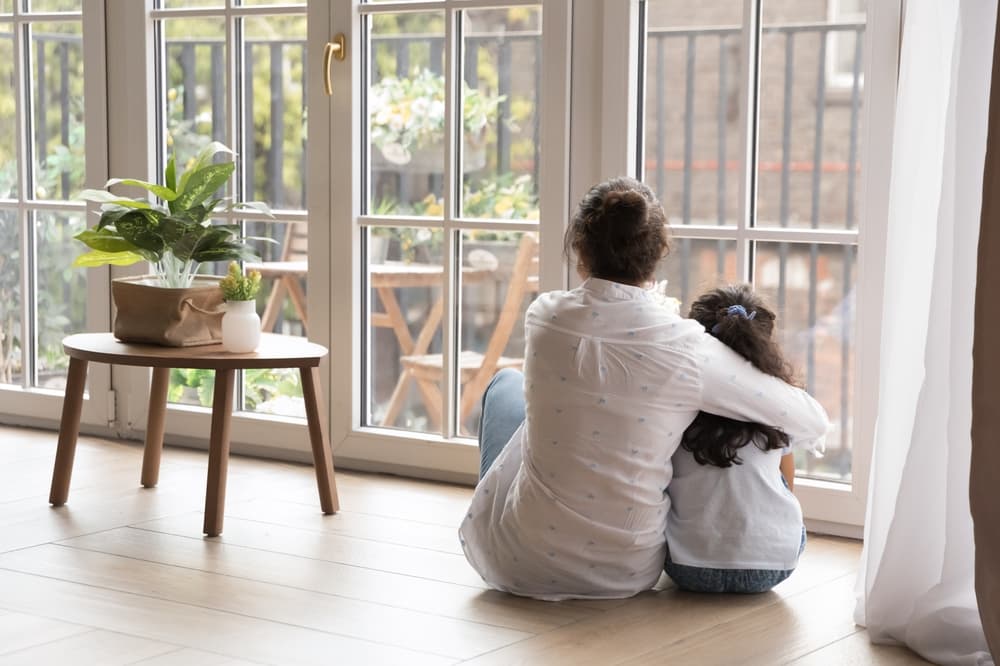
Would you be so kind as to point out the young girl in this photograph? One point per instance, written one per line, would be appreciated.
(734, 525)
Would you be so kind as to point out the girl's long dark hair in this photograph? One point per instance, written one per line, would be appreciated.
(716, 440)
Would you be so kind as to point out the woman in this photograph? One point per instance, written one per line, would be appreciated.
(572, 500)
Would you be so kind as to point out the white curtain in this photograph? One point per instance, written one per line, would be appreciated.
(916, 585)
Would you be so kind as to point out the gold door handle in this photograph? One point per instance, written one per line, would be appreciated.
(335, 49)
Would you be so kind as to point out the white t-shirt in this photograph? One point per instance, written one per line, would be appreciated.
(738, 517)
(576, 504)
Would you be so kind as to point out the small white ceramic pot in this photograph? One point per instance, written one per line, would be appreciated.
(241, 327)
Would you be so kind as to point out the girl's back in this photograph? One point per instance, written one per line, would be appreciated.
(738, 517)
(732, 516)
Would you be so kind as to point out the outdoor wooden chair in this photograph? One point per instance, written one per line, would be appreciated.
(288, 274)
(476, 369)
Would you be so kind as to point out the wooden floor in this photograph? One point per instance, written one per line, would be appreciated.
(122, 575)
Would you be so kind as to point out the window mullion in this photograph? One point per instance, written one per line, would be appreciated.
(22, 69)
(234, 51)
(751, 107)
(450, 179)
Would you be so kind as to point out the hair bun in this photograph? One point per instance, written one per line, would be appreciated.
(624, 205)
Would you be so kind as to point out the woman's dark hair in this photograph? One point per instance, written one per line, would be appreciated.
(739, 319)
(619, 231)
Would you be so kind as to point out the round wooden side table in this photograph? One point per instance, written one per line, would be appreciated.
(275, 351)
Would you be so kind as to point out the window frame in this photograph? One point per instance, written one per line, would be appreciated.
(584, 52)
(831, 507)
(35, 406)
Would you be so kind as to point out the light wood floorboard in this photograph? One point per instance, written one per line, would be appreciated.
(378, 623)
(305, 573)
(189, 657)
(93, 648)
(20, 631)
(227, 633)
(857, 650)
(122, 575)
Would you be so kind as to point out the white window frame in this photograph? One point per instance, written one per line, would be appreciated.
(836, 508)
(38, 406)
(584, 58)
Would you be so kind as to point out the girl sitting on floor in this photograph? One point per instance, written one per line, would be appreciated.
(734, 525)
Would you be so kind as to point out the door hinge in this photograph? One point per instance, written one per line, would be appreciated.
(112, 407)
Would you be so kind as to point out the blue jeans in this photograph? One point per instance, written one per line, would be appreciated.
(502, 413)
(738, 581)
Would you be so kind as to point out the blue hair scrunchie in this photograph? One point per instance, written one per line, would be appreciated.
(737, 310)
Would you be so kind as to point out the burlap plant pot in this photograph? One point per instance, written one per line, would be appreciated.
(150, 314)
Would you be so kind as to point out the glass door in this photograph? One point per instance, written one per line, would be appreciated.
(454, 217)
(52, 145)
(752, 120)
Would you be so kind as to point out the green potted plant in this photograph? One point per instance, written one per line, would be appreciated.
(240, 323)
(174, 306)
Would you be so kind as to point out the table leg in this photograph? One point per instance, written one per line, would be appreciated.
(218, 452)
(298, 296)
(69, 428)
(322, 456)
(273, 307)
(154, 426)
(397, 322)
(424, 339)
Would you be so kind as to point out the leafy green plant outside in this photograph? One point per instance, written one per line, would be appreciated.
(508, 196)
(408, 114)
(261, 386)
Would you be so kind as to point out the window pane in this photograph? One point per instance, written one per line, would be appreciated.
(283, 265)
(691, 122)
(6, 6)
(781, 11)
(8, 126)
(274, 391)
(191, 387)
(406, 114)
(55, 5)
(811, 287)
(500, 121)
(499, 281)
(62, 292)
(57, 98)
(695, 266)
(195, 99)
(810, 120)
(11, 371)
(189, 4)
(275, 113)
(247, 3)
(405, 277)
